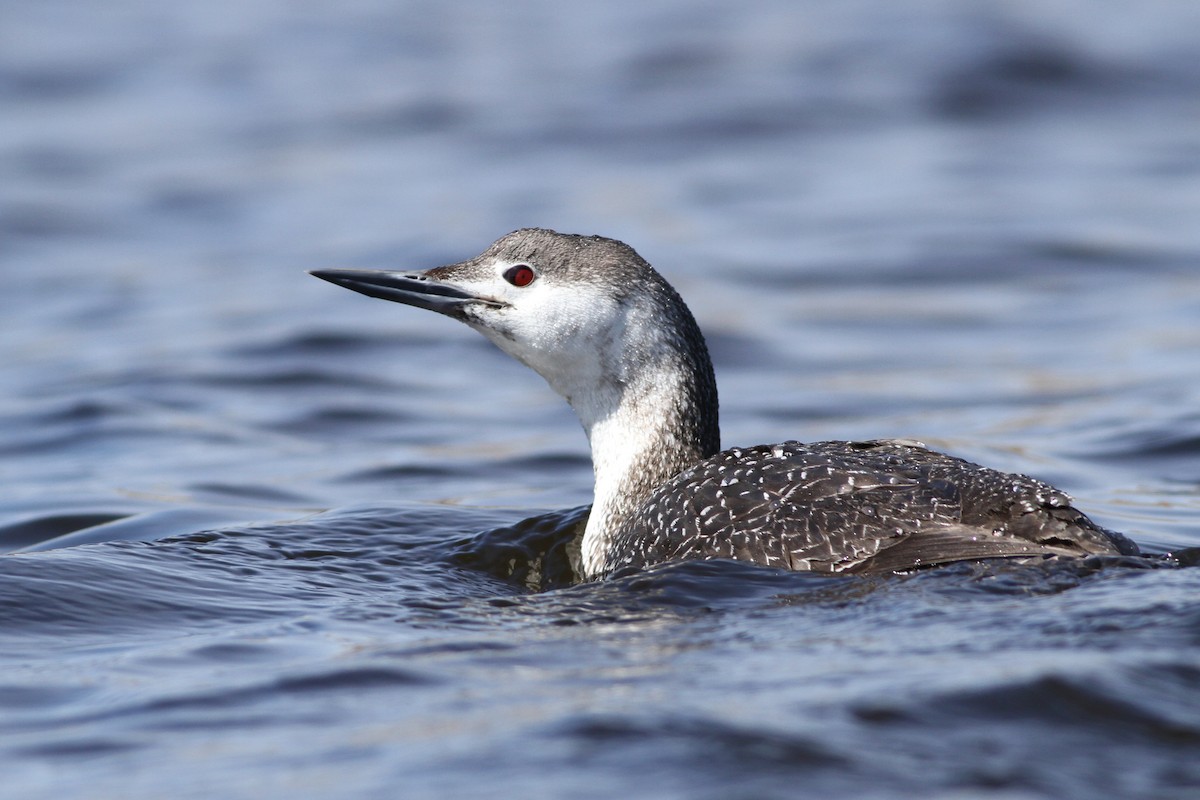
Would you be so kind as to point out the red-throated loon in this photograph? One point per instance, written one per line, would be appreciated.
(610, 335)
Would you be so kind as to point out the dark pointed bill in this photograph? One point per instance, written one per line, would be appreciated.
(413, 289)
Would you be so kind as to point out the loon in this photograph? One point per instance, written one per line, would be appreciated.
(611, 336)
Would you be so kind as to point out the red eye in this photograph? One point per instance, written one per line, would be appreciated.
(520, 275)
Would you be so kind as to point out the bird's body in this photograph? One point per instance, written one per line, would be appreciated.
(851, 507)
(611, 336)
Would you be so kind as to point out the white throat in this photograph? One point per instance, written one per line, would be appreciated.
(636, 447)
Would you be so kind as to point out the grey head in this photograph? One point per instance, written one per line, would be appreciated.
(587, 313)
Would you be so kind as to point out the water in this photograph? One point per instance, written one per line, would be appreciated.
(269, 538)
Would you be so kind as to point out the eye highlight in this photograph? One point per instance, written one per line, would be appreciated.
(520, 275)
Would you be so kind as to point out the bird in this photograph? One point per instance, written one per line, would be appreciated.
(611, 336)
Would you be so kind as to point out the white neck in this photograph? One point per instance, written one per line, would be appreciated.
(638, 444)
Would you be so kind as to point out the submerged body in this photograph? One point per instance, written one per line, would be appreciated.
(611, 336)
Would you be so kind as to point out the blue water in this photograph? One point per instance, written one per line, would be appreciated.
(267, 538)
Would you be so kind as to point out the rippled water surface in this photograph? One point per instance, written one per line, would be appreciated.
(269, 538)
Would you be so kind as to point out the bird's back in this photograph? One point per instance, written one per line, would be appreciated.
(852, 507)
